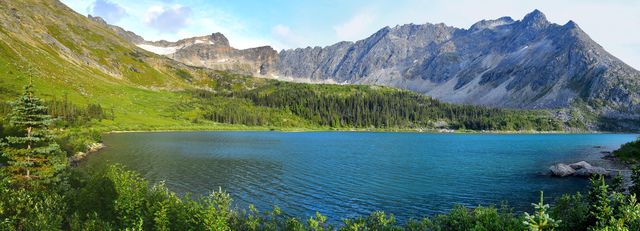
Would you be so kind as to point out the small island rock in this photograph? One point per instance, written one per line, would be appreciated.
(580, 165)
(561, 170)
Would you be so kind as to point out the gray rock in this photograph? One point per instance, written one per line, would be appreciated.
(590, 171)
(580, 165)
(561, 170)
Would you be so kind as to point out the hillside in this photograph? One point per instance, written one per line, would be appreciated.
(529, 63)
(86, 63)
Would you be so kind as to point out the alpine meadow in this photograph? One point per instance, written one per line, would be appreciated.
(69, 81)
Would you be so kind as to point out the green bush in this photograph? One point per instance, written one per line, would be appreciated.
(111, 198)
(629, 151)
(77, 140)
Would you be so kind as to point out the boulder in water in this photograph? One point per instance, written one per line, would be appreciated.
(591, 171)
(580, 165)
(561, 170)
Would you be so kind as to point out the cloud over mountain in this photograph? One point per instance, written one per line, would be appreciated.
(287, 37)
(110, 11)
(169, 20)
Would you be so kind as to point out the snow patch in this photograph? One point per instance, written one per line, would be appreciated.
(497, 23)
(415, 61)
(163, 50)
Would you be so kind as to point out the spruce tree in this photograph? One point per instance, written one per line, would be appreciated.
(35, 158)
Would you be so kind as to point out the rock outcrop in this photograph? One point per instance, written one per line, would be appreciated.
(579, 169)
(213, 51)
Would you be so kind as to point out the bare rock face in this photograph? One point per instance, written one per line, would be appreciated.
(561, 170)
(125, 34)
(213, 51)
(530, 63)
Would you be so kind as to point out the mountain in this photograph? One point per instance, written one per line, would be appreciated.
(213, 51)
(81, 56)
(530, 63)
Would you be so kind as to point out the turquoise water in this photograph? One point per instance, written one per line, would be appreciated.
(348, 174)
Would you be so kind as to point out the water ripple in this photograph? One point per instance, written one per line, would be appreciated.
(349, 174)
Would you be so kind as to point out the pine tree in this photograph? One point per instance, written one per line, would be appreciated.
(35, 158)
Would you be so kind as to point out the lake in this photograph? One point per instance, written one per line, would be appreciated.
(349, 174)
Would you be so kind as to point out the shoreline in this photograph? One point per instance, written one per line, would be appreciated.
(434, 131)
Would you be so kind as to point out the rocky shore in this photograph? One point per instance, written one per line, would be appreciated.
(79, 156)
(579, 169)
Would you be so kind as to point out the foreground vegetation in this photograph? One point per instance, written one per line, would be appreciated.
(38, 191)
(111, 198)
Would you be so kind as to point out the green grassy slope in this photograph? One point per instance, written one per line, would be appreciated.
(88, 64)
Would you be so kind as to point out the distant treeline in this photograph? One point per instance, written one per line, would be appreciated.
(71, 113)
(66, 111)
(359, 106)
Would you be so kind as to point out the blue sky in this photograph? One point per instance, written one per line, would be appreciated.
(284, 24)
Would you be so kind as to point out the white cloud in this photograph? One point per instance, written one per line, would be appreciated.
(109, 11)
(286, 37)
(170, 20)
(353, 28)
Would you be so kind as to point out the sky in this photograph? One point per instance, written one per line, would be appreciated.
(290, 24)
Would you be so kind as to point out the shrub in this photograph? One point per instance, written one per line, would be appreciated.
(629, 151)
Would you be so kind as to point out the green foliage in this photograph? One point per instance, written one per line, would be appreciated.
(35, 158)
(634, 188)
(617, 184)
(572, 210)
(338, 106)
(629, 151)
(540, 220)
(461, 218)
(77, 139)
(111, 198)
(599, 209)
(183, 74)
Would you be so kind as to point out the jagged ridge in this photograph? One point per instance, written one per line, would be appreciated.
(530, 63)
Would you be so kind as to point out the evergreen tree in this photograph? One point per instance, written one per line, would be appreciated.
(35, 158)
(599, 209)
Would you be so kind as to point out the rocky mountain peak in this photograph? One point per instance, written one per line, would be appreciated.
(98, 20)
(491, 23)
(530, 63)
(536, 20)
(219, 39)
(571, 25)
